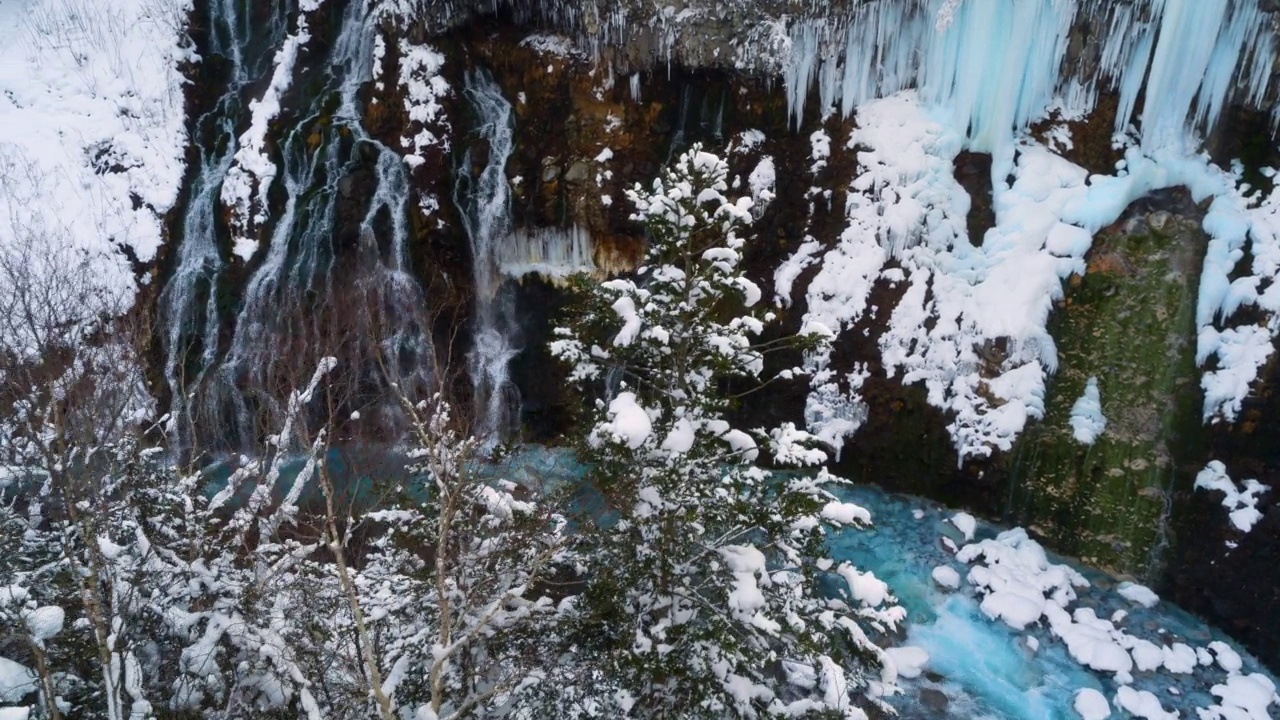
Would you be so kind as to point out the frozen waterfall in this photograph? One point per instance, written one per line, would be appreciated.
(997, 65)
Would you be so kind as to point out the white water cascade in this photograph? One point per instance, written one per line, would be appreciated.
(300, 304)
(484, 203)
(189, 303)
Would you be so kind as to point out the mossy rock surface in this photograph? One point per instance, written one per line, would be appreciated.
(1130, 323)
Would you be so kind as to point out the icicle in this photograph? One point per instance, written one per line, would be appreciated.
(1188, 30)
(996, 65)
(553, 253)
(799, 74)
(1131, 78)
(1207, 53)
(1260, 69)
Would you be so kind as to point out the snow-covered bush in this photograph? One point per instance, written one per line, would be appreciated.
(131, 588)
(701, 596)
(457, 578)
(165, 600)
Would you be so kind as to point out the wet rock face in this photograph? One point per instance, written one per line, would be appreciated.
(639, 35)
(1233, 588)
(1091, 146)
(973, 172)
(581, 141)
(1129, 324)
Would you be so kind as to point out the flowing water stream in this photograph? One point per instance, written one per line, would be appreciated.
(977, 667)
(299, 303)
(484, 202)
(190, 312)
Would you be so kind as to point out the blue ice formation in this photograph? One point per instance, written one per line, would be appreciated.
(995, 66)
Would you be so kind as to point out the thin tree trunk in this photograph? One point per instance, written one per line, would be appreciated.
(353, 599)
(447, 505)
(46, 679)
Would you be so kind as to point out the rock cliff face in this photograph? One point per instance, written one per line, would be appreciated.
(890, 220)
(1125, 502)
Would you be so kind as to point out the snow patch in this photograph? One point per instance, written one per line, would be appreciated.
(245, 187)
(1241, 503)
(92, 154)
(557, 45)
(628, 422)
(424, 90)
(1087, 420)
(761, 181)
(1138, 594)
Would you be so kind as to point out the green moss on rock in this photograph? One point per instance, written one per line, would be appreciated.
(1129, 322)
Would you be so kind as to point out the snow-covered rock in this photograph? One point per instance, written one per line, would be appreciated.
(1092, 705)
(1241, 503)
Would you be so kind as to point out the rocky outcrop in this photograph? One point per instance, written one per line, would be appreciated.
(1128, 327)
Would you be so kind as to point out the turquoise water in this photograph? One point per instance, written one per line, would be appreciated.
(978, 668)
(984, 668)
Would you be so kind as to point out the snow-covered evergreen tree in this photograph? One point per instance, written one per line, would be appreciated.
(702, 595)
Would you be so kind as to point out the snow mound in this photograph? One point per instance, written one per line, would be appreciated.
(1092, 705)
(1087, 420)
(16, 681)
(1018, 583)
(45, 622)
(1247, 697)
(946, 577)
(965, 523)
(908, 661)
(1143, 704)
(1138, 594)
